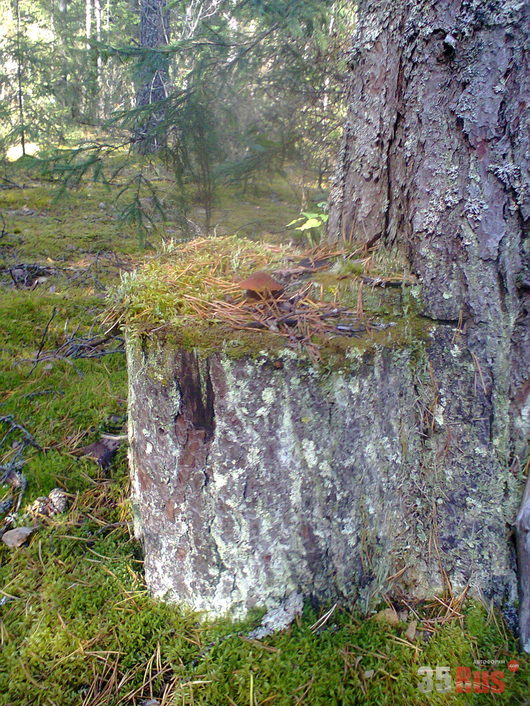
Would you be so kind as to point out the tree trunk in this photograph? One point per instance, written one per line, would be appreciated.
(435, 159)
(522, 533)
(88, 22)
(20, 86)
(98, 14)
(153, 74)
(258, 476)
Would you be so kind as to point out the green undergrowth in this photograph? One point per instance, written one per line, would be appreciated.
(80, 629)
(37, 226)
(63, 402)
(42, 220)
(77, 626)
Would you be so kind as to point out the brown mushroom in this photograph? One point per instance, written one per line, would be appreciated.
(261, 285)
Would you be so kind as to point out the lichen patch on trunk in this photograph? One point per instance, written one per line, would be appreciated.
(252, 481)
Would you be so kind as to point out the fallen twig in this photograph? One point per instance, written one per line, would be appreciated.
(406, 281)
(9, 184)
(41, 345)
(78, 347)
(14, 426)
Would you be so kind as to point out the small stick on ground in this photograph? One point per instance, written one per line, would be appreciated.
(43, 339)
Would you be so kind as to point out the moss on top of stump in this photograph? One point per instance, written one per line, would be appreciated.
(190, 295)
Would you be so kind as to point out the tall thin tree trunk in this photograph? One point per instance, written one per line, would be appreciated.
(435, 159)
(153, 79)
(20, 88)
(88, 22)
(99, 65)
(97, 17)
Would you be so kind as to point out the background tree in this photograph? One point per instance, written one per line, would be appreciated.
(152, 73)
(239, 91)
(67, 86)
(251, 72)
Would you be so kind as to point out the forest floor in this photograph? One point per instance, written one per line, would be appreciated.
(76, 623)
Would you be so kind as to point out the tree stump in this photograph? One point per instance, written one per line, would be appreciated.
(258, 475)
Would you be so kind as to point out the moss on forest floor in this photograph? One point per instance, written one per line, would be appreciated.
(76, 624)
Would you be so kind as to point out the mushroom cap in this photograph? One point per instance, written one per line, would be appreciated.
(260, 282)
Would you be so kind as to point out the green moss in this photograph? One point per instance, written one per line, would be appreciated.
(80, 627)
(174, 288)
(336, 353)
(174, 295)
(38, 226)
(80, 615)
(217, 337)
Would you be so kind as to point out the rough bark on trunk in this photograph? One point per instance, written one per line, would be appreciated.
(252, 480)
(153, 74)
(435, 159)
(522, 529)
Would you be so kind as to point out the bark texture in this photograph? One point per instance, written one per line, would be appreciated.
(153, 73)
(252, 481)
(522, 529)
(435, 158)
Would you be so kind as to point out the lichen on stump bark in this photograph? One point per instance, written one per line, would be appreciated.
(260, 475)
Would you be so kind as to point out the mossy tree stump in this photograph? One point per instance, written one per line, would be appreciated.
(256, 475)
